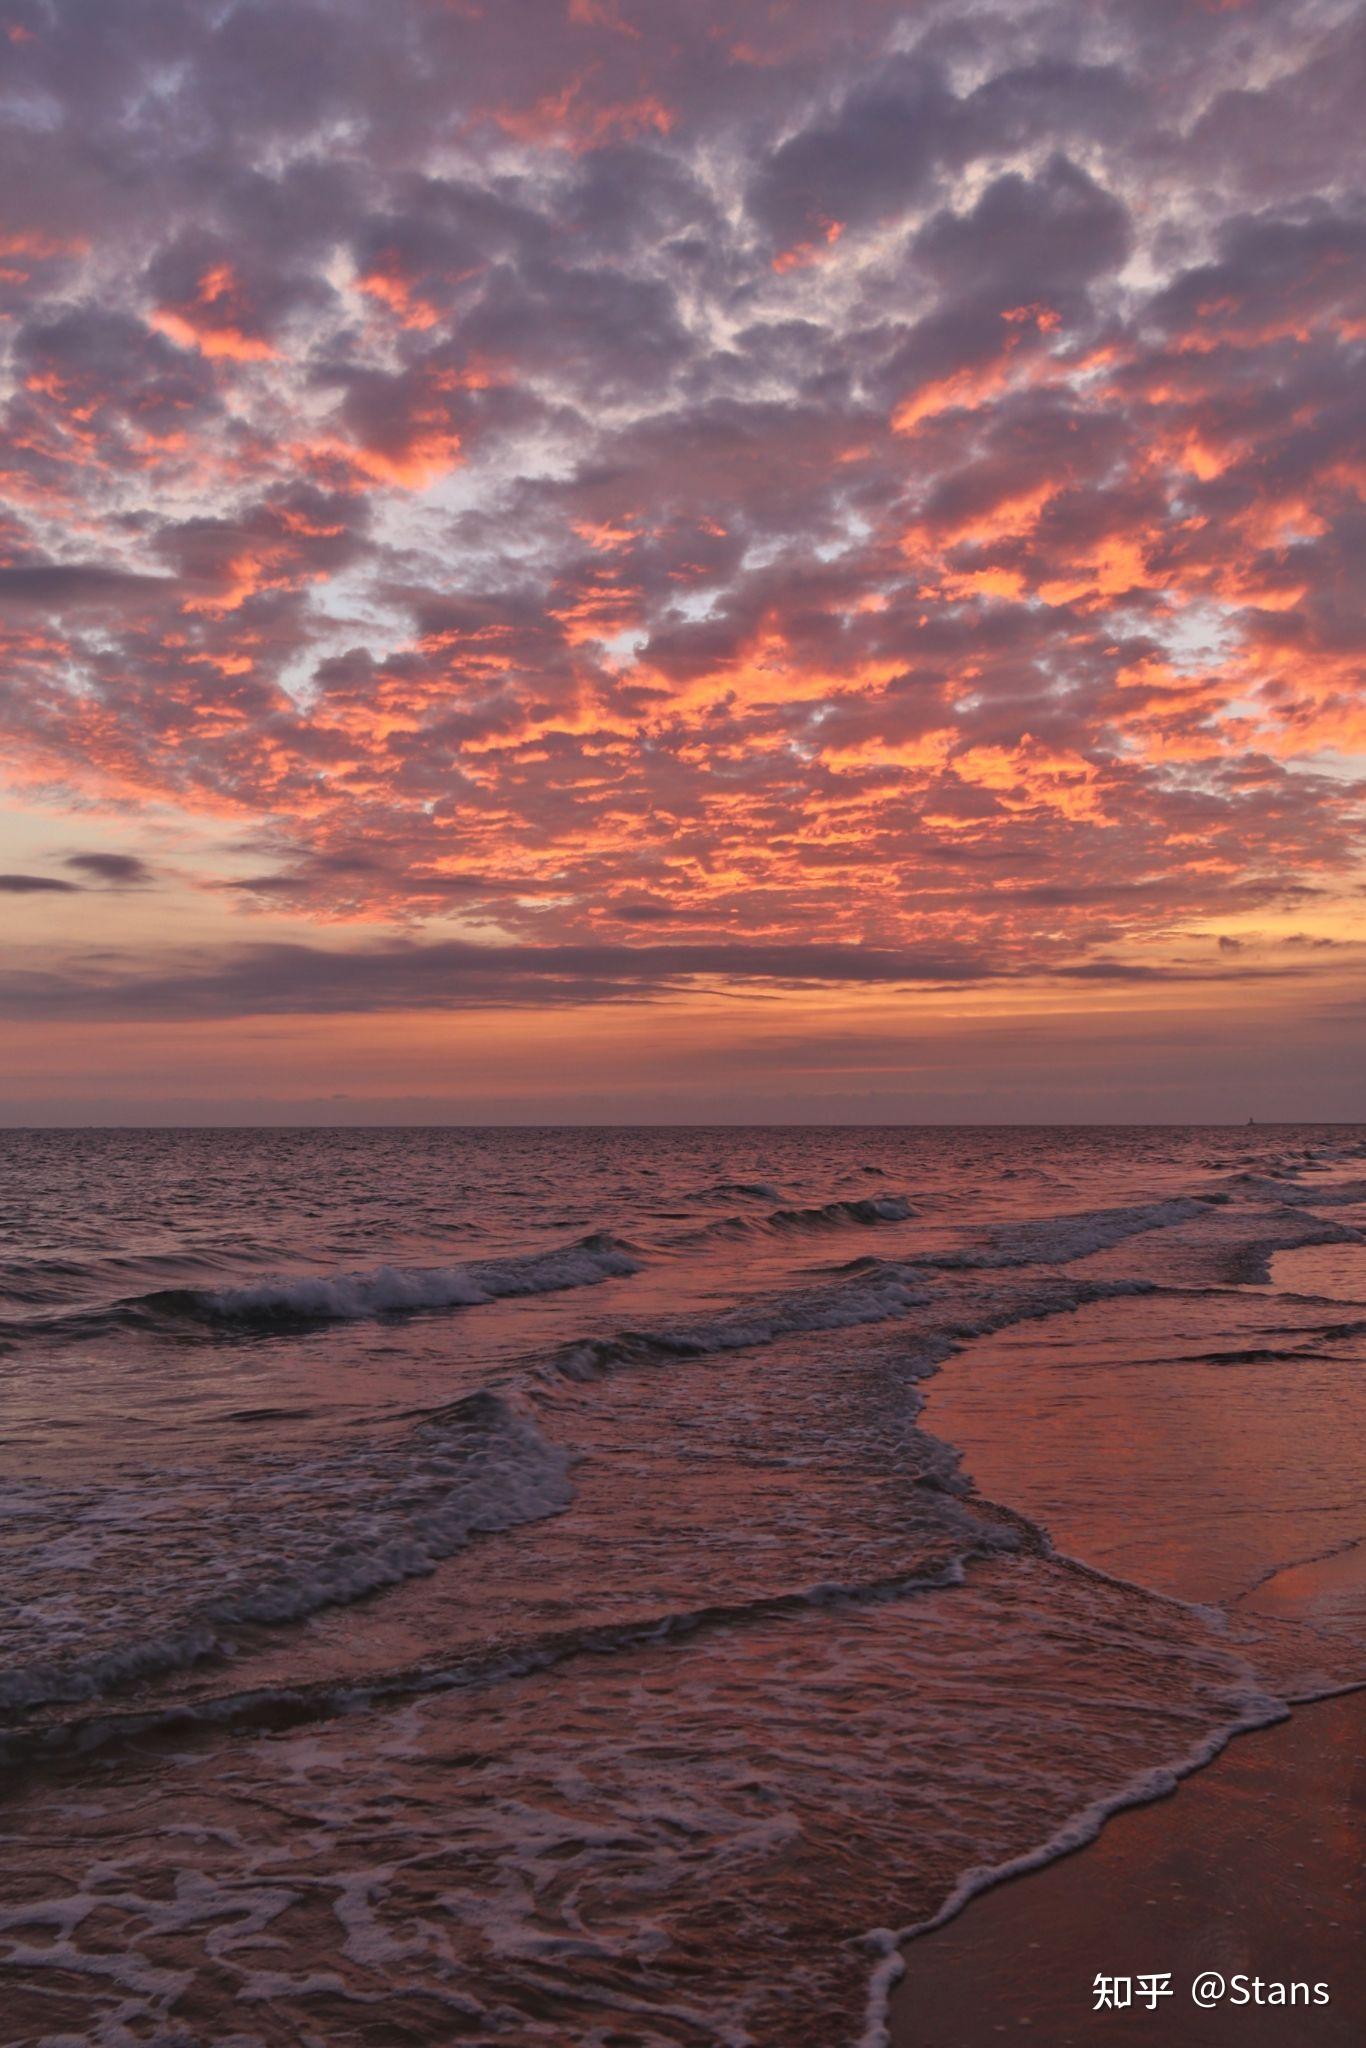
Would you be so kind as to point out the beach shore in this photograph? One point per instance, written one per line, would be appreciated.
(1253, 1868)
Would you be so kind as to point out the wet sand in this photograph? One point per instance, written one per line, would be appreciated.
(1253, 1866)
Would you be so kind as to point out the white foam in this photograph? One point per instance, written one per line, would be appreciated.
(889, 1291)
(1057, 1240)
(1256, 1710)
(389, 1289)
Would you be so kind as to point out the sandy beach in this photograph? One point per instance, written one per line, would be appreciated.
(1253, 1867)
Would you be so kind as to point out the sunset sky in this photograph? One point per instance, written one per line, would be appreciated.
(573, 560)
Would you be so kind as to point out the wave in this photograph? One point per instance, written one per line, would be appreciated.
(1057, 1240)
(390, 1289)
(274, 1707)
(377, 1520)
(867, 1210)
(873, 1291)
(863, 1212)
(1292, 1193)
(308, 1534)
(292, 1536)
(36, 1285)
(1235, 1246)
(875, 1296)
(342, 1297)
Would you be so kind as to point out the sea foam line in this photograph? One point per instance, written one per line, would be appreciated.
(1257, 1710)
(263, 1708)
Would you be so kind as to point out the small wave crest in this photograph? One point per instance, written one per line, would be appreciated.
(871, 1291)
(736, 1191)
(882, 1294)
(1057, 1240)
(863, 1212)
(1292, 1193)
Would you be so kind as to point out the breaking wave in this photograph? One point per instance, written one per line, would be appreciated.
(388, 1290)
(344, 1297)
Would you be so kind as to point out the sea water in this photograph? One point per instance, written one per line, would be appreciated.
(612, 1586)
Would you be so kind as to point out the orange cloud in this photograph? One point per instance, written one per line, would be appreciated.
(802, 255)
(214, 319)
(1033, 774)
(571, 119)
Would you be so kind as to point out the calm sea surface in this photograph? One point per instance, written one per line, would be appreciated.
(606, 1587)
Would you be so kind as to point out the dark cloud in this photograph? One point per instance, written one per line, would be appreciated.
(1028, 239)
(56, 585)
(289, 980)
(119, 870)
(34, 885)
(863, 165)
(298, 980)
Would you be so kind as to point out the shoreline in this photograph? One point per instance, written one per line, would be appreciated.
(1252, 1866)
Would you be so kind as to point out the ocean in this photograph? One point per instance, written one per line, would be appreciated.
(612, 1587)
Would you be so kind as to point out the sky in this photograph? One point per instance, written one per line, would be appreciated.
(658, 560)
